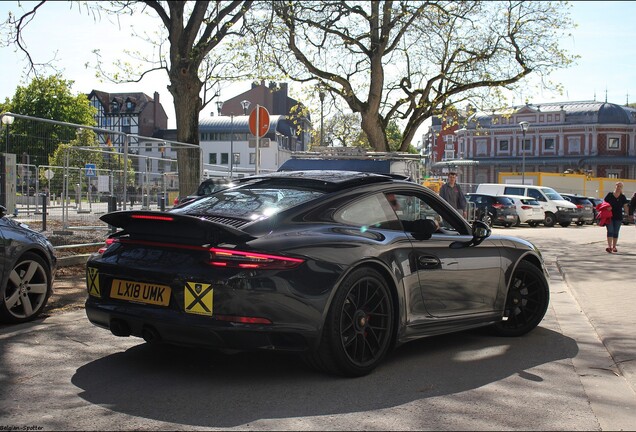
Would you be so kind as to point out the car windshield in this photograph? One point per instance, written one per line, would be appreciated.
(249, 202)
(552, 194)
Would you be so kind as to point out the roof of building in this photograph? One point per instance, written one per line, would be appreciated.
(139, 101)
(578, 112)
(240, 124)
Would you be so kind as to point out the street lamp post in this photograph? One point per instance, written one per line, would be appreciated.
(321, 95)
(245, 104)
(7, 120)
(524, 128)
(219, 106)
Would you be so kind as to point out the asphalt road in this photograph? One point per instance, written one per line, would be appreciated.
(64, 374)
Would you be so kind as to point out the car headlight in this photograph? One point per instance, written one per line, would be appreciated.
(564, 209)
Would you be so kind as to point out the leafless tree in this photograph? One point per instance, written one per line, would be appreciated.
(407, 60)
(191, 47)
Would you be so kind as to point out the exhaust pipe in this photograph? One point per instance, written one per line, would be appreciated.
(150, 335)
(119, 328)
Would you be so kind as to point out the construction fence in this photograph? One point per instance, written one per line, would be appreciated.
(68, 175)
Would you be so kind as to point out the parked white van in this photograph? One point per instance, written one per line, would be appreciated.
(556, 209)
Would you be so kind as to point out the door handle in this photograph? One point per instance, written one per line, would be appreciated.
(428, 262)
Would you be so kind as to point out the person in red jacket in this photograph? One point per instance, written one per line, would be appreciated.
(618, 201)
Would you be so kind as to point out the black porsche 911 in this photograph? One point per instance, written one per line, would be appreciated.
(339, 266)
(27, 268)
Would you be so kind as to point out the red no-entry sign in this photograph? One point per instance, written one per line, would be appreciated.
(263, 121)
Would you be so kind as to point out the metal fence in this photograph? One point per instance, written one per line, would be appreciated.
(79, 172)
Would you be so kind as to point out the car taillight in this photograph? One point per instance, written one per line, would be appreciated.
(107, 243)
(525, 207)
(497, 206)
(152, 217)
(242, 259)
(579, 206)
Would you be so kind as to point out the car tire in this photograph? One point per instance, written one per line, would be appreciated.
(549, 220)
(487, 219)
(27, 290)
(526, 302)
(580, 223)
(507, 225)
(565, 224)
(358, 330)
(532, 224)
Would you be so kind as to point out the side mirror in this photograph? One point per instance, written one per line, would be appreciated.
(481, 231)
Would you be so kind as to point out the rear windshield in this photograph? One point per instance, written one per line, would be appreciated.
(249, 202)
(530, 201)
(505, 201)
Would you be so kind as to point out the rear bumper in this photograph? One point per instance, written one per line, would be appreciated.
(178, 329)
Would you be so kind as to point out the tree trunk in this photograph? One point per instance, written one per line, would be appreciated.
(372, 127)
(187, 106)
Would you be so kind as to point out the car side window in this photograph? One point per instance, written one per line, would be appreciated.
(536, 194)
(410, 208)
(370, 211)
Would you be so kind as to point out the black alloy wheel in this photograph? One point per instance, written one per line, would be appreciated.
(27, 290)
(359, 326)
(527, 301)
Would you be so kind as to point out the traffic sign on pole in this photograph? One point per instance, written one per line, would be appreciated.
(259, 116)
(91, 170)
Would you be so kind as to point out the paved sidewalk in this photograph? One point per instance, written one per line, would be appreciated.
(604, 285)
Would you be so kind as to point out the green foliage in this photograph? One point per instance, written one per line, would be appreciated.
(47, 98)
(85, 149)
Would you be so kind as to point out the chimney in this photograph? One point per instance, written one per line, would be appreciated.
(155, 111)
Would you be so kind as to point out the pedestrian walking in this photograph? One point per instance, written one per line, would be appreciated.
(453, 194)
(632, 208)
(619, 202)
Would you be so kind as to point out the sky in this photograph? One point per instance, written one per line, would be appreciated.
(604, 40)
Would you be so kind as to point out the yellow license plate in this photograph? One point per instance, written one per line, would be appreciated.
(140, 292)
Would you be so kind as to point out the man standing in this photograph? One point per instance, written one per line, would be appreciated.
(453, 194)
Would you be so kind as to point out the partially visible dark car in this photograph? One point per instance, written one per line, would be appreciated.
(339, 266)
(206, 187)
(584, 208)
(494, 209)
(595, 202)
(27, 268)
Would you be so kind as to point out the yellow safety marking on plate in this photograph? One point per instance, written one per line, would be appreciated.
(92, 282)
(198, 298)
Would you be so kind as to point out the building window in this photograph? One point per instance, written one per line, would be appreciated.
(148, 147)
(252, 158)
(236, 159)
(527, 145)
(482, 148)
(574, 145)
(548, 144)
(613, 143)
(225, 160)
(503, 146)
(613, 174)
(212, 158)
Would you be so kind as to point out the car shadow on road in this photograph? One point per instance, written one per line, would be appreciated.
(198, 387)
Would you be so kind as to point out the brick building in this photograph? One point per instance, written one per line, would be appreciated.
(597, 138)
